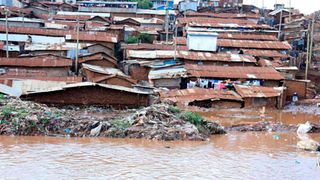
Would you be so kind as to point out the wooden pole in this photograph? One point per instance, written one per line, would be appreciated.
(280, 25)
(308, 46)
(7, 36)
(167, 21)
(77, 50)
(311, 40)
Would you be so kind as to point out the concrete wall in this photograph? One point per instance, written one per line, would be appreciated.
(93, 95)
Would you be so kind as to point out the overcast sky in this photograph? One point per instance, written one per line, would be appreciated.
(305, 6)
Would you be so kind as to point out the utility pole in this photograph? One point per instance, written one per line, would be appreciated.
(175, 41)
(308, 48)
(167, 21)
(280, 25)
(290, 10)
(311, 40)
(77, 50)
(7, 36)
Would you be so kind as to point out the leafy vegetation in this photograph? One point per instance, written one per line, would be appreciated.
(142, 37)
(120, 124)
(132, 40)
(174, 110)
(144, 4)
(193, 118)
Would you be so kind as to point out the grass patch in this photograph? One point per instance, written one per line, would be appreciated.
(6, 111)
(174, 110)
(193, 118)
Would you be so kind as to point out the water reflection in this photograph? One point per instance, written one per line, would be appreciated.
(232, 156)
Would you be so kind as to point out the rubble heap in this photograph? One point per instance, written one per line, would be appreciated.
(19, 117)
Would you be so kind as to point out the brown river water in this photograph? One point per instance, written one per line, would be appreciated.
(232, 156)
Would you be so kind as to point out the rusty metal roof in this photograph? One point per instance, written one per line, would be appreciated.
(151, 47)
(40, 76)
(238, 36)
(189, 55)
(223, 15)
(207, 56)
(258, 91)
(97, 56)
(71, 35)
(198, 94)
(38, 61)
(233, 72)
(264, 53)
(245, 44)
(248, 44)
(90, 84)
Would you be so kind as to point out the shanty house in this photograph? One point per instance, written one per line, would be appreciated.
(258, 96)
(99, 59)
(48, 65)
(267, 76)
(106, 75)
(207, 98)
(88, 93)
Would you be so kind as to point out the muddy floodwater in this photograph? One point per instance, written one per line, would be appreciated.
(232, 156)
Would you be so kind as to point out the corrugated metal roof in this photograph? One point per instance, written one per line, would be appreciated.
(245, 44)
(91, 14)
(140, 20)
(189, 55)
(97, 56)
(207, 56)
(198, 94)
(149, 54)
(155, 12)
(48, 61)
(90, 84)
(264, 53)
(233, 72)
(223, 15)
(247, 36)
(258, 91)
(103, 70)
(71, 35)
(22, 19)
(167, 73)
(42, 76)
(152, 47)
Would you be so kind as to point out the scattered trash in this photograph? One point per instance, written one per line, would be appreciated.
(155, 122)
(297, 162)
(304, 128)
(276, 137)
(68, 131)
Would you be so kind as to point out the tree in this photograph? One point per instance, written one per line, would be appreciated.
(145, 4)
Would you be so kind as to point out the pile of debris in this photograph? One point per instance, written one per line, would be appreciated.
(159, 122)
(155, 122)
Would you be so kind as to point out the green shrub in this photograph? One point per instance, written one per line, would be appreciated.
(132, 40)
(6, 111)
(193, 118)
(145, 38)
(174, 109)
(144, 4)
